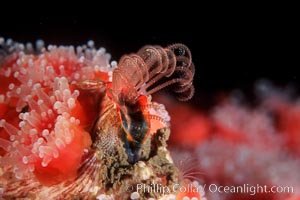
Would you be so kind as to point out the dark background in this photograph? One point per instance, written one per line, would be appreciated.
(228, 52)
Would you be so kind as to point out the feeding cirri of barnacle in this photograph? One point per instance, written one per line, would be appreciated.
(135, 79)
(100, 115)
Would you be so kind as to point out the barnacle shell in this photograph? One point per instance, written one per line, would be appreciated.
(117, 174)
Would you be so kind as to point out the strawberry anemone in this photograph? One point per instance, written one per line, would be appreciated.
(44, 130)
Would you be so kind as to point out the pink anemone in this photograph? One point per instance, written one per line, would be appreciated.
(43, 126)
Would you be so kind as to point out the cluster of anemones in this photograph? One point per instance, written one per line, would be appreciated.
(235, 143)
(44, 121)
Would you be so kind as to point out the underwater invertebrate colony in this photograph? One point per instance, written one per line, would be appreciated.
(242, 144)
(75, 126)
